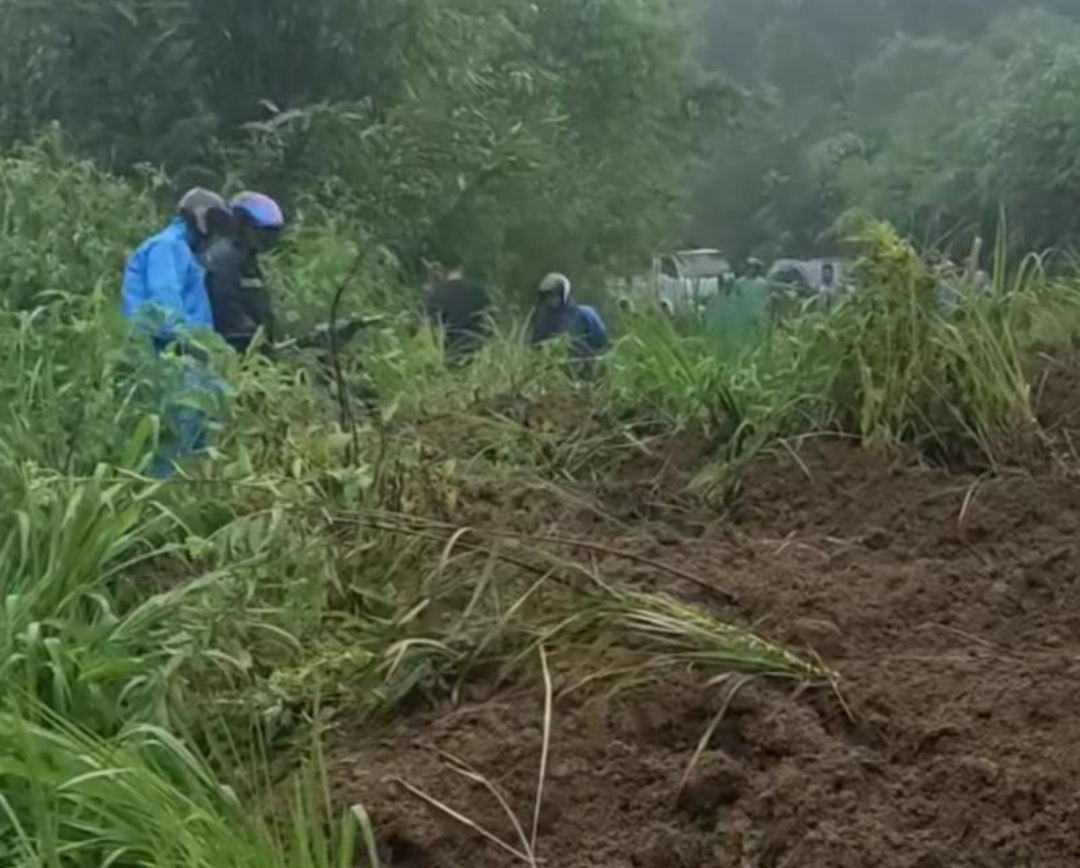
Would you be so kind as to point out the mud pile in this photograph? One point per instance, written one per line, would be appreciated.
(951, 607)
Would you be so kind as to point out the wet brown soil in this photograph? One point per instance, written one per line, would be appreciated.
(950, 607)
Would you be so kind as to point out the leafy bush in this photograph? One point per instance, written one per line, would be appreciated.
(65, 227)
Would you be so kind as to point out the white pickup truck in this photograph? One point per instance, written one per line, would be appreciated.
(689, 278)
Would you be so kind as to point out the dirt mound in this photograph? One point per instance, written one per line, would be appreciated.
(1056, 390)
(951, 608)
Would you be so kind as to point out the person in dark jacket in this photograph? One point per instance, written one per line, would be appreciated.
(235, 284)
(556, 315)
(461, 307)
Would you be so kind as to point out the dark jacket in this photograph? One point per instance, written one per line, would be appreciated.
(238, 295)
(461, 308)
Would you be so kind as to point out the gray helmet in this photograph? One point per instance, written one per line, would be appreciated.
(556, 284)
(201, 208)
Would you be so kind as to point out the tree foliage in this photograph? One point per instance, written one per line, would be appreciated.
(569, 133)
(938, 115)
(519, 136)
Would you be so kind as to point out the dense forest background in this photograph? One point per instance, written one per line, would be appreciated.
(579, 134)
(517, 136)
(940, 115)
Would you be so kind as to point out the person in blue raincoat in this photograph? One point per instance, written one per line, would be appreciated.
(164, 297)
(557, 314)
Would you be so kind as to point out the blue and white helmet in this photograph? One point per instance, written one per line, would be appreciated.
(259, 209)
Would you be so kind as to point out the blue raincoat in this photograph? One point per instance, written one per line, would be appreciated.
(164, 296)
(164, 291)
(587, 332)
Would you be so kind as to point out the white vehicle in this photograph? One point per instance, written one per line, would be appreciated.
(689, 278)
(824, 277)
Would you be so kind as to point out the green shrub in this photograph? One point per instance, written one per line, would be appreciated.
(65, 226)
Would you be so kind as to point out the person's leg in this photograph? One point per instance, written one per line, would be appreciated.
(184, 435)
(191, 425)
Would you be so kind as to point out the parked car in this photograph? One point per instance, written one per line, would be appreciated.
(689, 278)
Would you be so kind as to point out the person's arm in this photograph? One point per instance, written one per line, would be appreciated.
(601, 332)
(162, 310)
(594, 331)
(198, 314)
(132, 290)
(257, 304)
(266, 315)
(544, 325)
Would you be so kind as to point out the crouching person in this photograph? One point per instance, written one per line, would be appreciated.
(557, 315)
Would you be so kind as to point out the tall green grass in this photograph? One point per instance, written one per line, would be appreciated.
(141, 799)
(946, 377)
(890, 361)
(311, 563)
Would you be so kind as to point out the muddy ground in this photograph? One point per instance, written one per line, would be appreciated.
(950, 606)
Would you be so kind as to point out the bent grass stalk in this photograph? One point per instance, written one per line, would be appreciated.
(687, 633)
